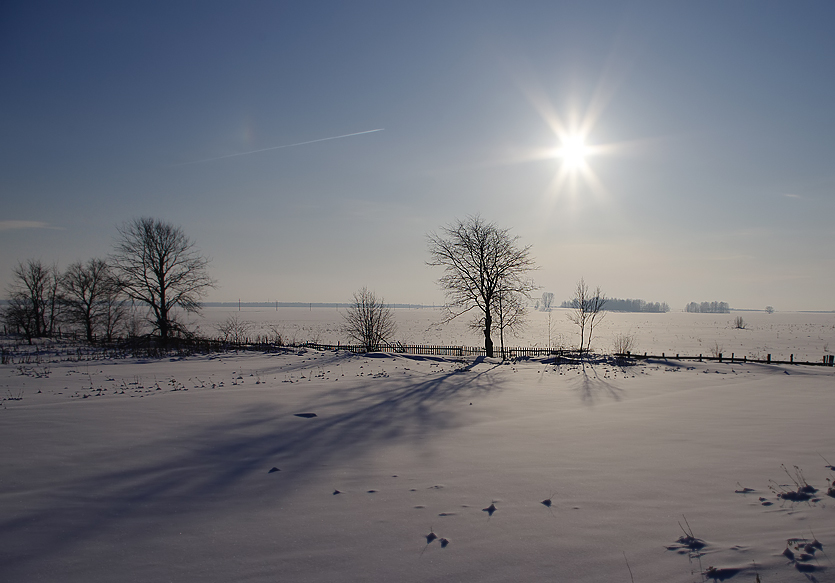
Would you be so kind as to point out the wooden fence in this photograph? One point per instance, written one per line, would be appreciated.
(827, 360)
(439, 350)
(523, 352)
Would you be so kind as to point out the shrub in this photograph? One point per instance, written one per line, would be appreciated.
(624, 343)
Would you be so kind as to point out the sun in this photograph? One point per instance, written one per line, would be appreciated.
(573, 151)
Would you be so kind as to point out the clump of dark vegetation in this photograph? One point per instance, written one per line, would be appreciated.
(688, 540)
(801, 552)
(802, 492)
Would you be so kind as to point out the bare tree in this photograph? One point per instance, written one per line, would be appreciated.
(33, 305)
(90, 297)
(234, 330)
(369, 321)
(510, 312)
(113, 311)
(159, 266)
(547, 301)
(481, 262)
(587, 310)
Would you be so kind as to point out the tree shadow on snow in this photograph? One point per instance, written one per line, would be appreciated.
(225, 466)
(593, 388)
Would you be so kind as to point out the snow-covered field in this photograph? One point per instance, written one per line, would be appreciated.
(162, 470)
(808, 336)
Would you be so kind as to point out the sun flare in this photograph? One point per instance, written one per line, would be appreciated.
(573, 151)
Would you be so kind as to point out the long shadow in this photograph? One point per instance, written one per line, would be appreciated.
(219, 457)
(593, 388)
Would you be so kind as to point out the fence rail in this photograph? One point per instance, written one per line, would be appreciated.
(523, 352)
(440, 350)
(827, 360)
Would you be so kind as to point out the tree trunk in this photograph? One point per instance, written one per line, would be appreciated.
(488, 342)
(163, 325)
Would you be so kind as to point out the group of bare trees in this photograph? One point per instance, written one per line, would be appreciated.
(86, 296)
(153, 265)
(708, 308)
(486, 272)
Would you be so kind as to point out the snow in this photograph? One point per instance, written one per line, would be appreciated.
(160, 470)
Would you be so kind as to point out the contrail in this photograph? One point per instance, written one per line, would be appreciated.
(279, 147)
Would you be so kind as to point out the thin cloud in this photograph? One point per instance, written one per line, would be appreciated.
(279, 147)
(796, 196)
(18, 225)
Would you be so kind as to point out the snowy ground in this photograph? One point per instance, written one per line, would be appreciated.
(159, 470)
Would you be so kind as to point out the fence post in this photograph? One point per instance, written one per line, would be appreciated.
(768, 359)
(720, 357)
(791, 358)
(732, 356)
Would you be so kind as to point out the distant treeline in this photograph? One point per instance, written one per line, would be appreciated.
(619, 305)
(708, 308)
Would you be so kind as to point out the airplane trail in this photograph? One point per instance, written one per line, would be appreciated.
(279, 147)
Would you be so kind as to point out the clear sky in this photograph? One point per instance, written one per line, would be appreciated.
(709, 131)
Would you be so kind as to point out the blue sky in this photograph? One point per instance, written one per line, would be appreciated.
(710, 129)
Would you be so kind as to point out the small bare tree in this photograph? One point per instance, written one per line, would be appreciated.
(481, 263)
(511, 310)
(33, 299)
(739, 323)
(624, 343)
(547, 301)
(587, 310)
(234, 330)
(90, 297)
(159, 266)
(369, 321)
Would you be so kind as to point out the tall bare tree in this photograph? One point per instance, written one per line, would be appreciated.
(159, 266)
(89, 295)
(481, 262)
(369, 320)
(587, 310)
(33, 305)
